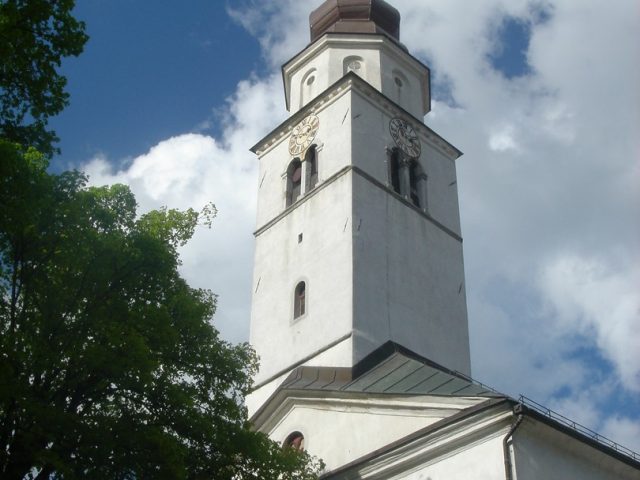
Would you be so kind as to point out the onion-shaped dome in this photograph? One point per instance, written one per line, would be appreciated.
(355, 16)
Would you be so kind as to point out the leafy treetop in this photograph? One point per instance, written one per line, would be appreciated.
(109, 365)
(35, 35)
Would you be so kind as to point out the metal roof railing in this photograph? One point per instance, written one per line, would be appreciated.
(547, 412)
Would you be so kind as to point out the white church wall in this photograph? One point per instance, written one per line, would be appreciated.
(442, 187)
(419, 268)
(272, 182)
(482, 460)
(341, 430)
(321, 258)
(541, 452)
(371, 139)
(469, 448)
(339, 355)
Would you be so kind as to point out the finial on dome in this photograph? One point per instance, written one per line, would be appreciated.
(355, 16)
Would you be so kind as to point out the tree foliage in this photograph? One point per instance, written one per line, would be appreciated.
(35, 35)
(109, 366)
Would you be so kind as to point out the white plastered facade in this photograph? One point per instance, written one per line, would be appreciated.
(376, 267)
(342, 428)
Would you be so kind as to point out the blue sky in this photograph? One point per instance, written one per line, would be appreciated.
(149, 71)
(541, 96)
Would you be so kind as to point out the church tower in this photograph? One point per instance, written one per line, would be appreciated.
(358, 238)
(359, 312)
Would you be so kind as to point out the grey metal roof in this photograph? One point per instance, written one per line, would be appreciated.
(399, 374)
(392, 369)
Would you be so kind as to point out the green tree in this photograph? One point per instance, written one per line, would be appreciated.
(35, 35)
(109, 366)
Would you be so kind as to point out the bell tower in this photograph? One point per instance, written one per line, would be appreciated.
(358, 237)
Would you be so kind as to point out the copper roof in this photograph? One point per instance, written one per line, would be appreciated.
(355, 16)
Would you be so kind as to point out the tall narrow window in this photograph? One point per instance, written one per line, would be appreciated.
(394, 169)
(415, 175)
(417, 185)
(312, 167)
(299, 300)
(294, 181)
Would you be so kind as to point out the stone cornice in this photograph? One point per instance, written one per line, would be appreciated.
(347, 83)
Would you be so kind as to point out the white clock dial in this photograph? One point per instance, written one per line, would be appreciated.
(303, 134)
(405, 137)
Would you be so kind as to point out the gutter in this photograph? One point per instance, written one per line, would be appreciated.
(508, 465)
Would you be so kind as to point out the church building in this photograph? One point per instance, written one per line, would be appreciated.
(359, 312)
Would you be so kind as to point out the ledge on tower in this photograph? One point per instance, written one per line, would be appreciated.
(355, 16)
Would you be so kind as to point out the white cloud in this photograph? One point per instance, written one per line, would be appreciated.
(503, 140)
(591, 298)
(549, 199)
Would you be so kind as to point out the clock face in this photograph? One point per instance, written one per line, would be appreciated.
(303, 134)
(405, 137)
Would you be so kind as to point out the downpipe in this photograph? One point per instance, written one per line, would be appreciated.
(508, 466)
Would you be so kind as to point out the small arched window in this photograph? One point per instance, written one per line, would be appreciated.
(294, 181)
(299, 300)
(312, 167)
(294, 441)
